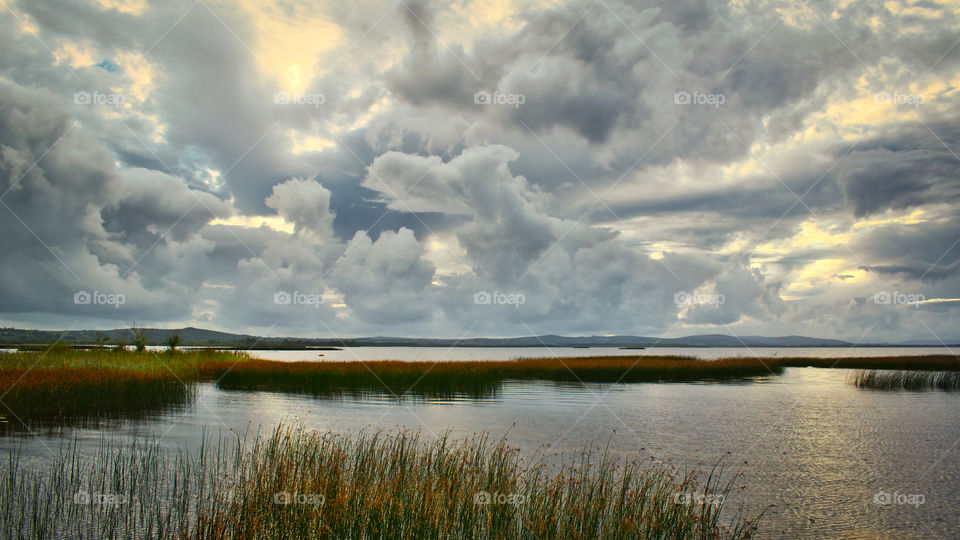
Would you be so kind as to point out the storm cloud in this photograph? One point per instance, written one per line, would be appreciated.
(377, 168)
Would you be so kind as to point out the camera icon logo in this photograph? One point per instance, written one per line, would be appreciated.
(282, 98)
(682, 98)
(282, 298)
(82, 298)
(482, 298)
(882, 98)
(883, 497)
(682, 298)
(82, 497)
(883, 298)
(82, 98)
(481, 498)
(282, 497)
(481, 98)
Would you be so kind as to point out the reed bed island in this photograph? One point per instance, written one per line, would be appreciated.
(65, 386)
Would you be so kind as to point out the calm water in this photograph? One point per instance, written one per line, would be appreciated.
(819, 450)
(440, 354)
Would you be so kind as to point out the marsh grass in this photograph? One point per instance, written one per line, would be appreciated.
(62, 386)
(85, 398)
(187, 364)
(906, 380)
(295, 483)
(476, 379)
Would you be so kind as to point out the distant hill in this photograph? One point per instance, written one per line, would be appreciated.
(200, 336)
(722, 340)
(709, 340)
(931, 342)
(154, 336)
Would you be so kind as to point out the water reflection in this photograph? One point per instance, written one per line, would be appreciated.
(31, 408)
(810, 444)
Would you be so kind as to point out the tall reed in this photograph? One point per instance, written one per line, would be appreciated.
(905, 380)
(64, 386)
(68, 387)
(301, 484)
(476, 378)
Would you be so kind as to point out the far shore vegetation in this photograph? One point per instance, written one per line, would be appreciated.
(65, 386)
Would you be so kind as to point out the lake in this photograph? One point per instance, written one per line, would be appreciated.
(441, 354)
(827, 455)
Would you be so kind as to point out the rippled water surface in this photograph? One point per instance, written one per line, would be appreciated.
(441, 354)
(816, 452)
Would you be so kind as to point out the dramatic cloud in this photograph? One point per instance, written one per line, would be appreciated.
(305, 203)
(427, 168)
(385, 281)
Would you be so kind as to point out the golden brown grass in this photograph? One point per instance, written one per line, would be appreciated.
(905, 380)
(303, 484)
(477, 378)
(64, 386)
(70, 386)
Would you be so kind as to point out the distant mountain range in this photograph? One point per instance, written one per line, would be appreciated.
(200, 336)
(952, 342)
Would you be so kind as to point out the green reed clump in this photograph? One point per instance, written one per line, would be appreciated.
(62, 386)
(476, 378)
(138, 491)
(906, 380)
(302, 484)
(42, 399)
(363, 379)
(186, 364)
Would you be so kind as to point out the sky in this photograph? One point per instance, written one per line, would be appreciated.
(482, 168)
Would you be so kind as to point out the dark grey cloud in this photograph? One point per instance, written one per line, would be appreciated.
(906, 167)
(57, 181)
(927, 252)
(427, 198)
